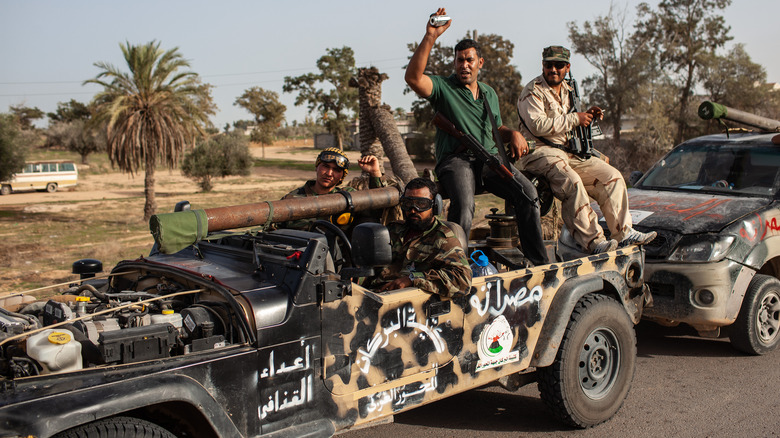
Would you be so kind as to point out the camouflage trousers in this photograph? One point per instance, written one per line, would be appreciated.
(574, 181)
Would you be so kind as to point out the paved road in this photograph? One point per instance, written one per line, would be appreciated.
(684, 387)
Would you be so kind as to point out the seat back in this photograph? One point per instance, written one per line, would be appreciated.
(460, 234)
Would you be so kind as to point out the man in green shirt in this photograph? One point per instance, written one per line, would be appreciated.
(463, 100)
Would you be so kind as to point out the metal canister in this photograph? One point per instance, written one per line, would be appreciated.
(439, 20)
(503, 230)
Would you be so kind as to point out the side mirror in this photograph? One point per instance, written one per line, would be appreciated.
(634, 177)
(371, 246)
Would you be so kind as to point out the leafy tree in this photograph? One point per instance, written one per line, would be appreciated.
(496, 72)
(335, 105)
(219, 156)
(268, 112)
(242, 125)
(736, 81)
(26, 115)
(654, 131)
(12, 148)
(686, 34)
(77, 136)
(771, 105)
(151, 112)
(500, 74)
(70, 111)
(621, 59)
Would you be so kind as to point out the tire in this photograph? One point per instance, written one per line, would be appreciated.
(5, 189)
(51, 187)
(117, 427)
(756, 330)
(593, 370)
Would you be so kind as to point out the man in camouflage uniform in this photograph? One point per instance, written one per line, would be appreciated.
(544, 109)
(332, 166)
(426, 252)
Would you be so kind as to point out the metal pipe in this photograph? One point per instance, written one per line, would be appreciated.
(711, 110)
(250, 215)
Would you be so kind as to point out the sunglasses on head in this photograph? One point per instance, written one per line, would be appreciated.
(415, 203)
(557, 64)
(340, 160)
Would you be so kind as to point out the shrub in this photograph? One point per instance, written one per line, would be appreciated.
(219, 156)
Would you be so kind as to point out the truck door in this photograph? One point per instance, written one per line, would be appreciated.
(392, 343)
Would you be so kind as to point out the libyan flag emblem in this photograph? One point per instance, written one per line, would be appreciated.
(495, 345)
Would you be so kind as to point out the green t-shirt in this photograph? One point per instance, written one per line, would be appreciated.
(457, 104)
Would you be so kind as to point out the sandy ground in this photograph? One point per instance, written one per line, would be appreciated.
(119, 185)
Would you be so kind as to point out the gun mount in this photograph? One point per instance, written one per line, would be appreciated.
(711, 110)
(249, 215)
(174, 231)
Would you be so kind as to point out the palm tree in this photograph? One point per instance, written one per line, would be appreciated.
(151, 112)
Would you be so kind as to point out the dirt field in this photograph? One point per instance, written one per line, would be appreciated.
(42, 234)
(117, 185)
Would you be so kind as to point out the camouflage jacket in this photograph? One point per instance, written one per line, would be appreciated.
(306, 190)
(435, 258)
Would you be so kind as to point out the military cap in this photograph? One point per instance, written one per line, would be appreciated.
(556, 53)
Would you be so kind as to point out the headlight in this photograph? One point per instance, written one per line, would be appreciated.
(702, 248)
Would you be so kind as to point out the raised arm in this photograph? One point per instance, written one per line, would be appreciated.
(415, 71)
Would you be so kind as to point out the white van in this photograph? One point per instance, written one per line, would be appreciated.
(46, 175)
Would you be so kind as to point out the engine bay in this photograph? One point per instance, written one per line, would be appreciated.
(127, 318)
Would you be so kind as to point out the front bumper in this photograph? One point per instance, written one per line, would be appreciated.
(703, 295)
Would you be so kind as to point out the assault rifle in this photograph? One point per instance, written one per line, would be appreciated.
(581, 143)
(479, 151)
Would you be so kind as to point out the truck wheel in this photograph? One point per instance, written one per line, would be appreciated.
(756, 329)
(5, 189)
(117, 427)
(592, 373)
(51, 187)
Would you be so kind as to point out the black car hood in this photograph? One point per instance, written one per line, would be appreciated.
(689, 213)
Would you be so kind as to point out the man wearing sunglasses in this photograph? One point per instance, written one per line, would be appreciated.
(332, 165)
(544, 109)
(468, 104)
(426, 252)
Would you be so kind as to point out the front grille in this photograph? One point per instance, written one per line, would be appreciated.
(661, 290)
(662, 246)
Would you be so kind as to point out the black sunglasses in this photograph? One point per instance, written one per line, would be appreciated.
(557, 64)
(415, 203)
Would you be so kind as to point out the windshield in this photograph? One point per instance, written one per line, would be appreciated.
(744, 169)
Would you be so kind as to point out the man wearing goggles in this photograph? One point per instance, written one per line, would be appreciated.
(426, 252)
(544, 109)
(415, 204)
(331, 166)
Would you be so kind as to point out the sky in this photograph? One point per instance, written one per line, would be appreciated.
(49, 47)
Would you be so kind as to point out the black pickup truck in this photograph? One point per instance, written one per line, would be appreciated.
(249, 333)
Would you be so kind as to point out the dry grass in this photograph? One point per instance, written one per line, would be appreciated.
(40, 247)
(40, 239)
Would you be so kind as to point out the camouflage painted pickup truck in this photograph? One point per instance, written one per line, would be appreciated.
(248, 333)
